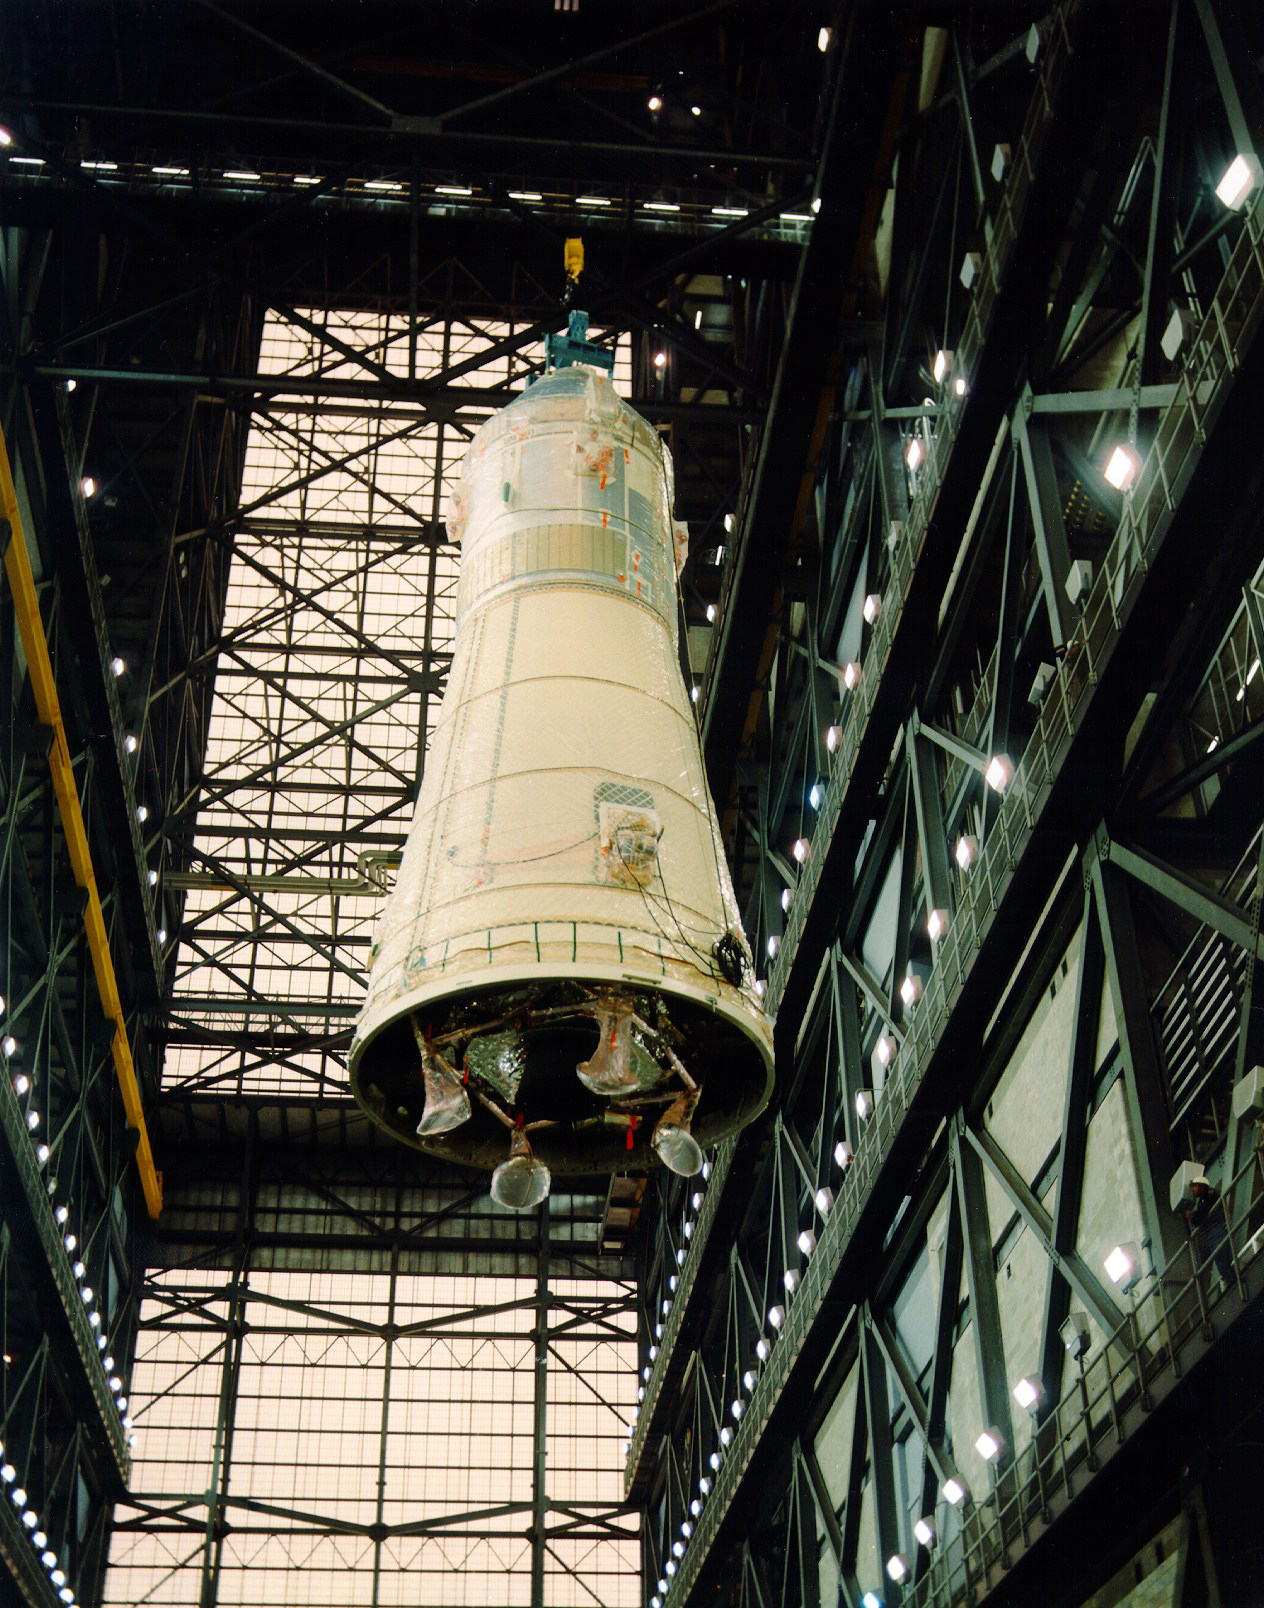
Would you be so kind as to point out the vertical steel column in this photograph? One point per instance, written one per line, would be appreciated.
(1070, 1165)
(1052, 551)
(539, 1496)
(1144, 1078)
(980, 1263)
(234, 1333)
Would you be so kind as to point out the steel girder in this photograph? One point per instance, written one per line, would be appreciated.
(914, 942)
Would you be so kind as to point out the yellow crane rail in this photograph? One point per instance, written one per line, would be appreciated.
(39, 666)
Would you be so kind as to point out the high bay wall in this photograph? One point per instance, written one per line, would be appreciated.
(924, 275)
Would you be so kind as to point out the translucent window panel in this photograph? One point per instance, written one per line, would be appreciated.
(378, 1438)
(338, 629)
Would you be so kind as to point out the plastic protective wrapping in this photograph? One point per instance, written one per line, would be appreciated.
(564, 829)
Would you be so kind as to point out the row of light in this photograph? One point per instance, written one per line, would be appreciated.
(1122, 1266)
(1121, 1263)
(89, 487)
(166, 170)
(21, 1085)
(31, 1522)
(823, 1200)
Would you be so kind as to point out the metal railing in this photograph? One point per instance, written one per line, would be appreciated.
(855, 716)
(1201, 392)
(1168, 1327)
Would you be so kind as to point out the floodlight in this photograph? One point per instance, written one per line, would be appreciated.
(774, 944)
(653, 1353)
(999, 773)
(695, 1507)
(806, 1242)
(989, 1445)
(1028, 1391)
(864, 1104)
(152, 878)
(726, 1438)
(959, 385)
(966, 851)
(786, 897)
(21, 1083)
(655, 103)
(737, 1408)
(161, 936)
(790, 1279)
(833, 736)
(843, 1153)
(763, 1350)
(117, 666)
(871, 1600)
(885, 1049)
(925, 1532)
(850, 674)
(897, 1567)
(971, 268)
(729, 523)
(129, 742)
(42, 1153)
(712, 611)
(1079, 579)
(815, 795)
(1240, 178)
(715, 1460)
(914, 452)
(941, 368)
(32, 1119)
(748, 1380)
(1123, 1264)
(6, 135)
(824, 1201)
(686, 1529)
(1074, 1335)
(660, 359)
(678, 1549)
(1121, 468)
(1001, 155)
(1248, 1101)
(776, 1316)
(937, 925)
(88, 487)
(19, 1496)
(911, 988)
(800, 849)
(873, 603)
(142, 813)
(1180, 329)
(823, 38)
(1040, 682)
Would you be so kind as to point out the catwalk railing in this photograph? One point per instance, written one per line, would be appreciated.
(1167, 1329)
(905, 551)
(1201, 393)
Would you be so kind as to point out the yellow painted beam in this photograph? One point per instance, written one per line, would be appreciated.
(26, 605)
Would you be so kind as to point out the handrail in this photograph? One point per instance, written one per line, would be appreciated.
(39, 666)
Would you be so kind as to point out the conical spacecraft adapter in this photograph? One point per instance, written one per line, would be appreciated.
(562, 955)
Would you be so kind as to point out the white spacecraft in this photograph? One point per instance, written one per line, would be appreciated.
(559, 980)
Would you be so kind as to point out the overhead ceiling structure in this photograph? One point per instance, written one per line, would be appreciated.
(949, 316)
